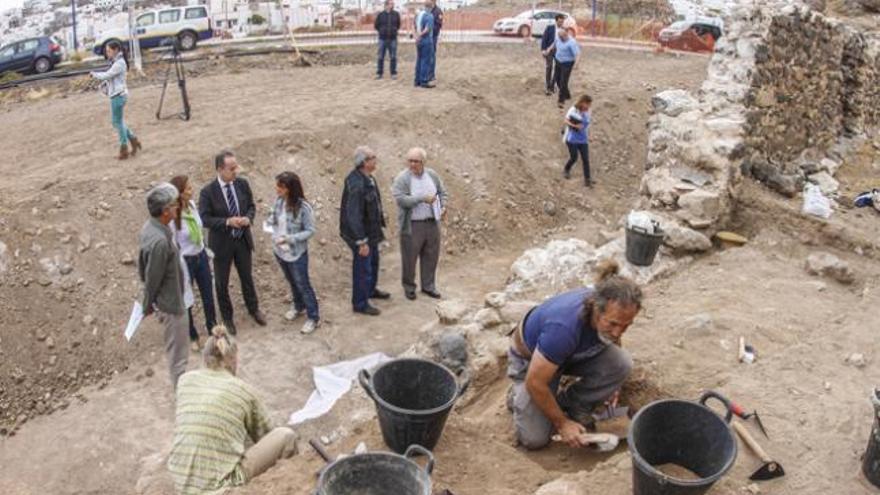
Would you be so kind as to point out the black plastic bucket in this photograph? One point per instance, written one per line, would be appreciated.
(871, 462)
(413, 398)
(641, 247)
(378, 473)
(685, 433)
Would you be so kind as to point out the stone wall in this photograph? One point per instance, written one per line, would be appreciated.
(784, 86)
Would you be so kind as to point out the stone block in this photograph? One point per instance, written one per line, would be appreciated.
(451, 312)
(828, 265)
(684, 239)
(700, 207)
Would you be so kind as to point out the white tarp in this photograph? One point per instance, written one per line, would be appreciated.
(331, 383)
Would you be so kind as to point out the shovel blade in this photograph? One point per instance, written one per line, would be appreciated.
(768, 471)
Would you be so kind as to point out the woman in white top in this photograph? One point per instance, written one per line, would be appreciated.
(113, 85)
(188, 232)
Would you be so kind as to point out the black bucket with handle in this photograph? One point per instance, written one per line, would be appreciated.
(413, 398)
(642, 246)
(378, 473)
(871, 461)
(687, 434)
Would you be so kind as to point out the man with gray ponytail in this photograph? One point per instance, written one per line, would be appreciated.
(160, 272)
(577, 333)
(216, 413)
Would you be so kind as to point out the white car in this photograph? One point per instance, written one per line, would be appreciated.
(187, 25)
(529, 23)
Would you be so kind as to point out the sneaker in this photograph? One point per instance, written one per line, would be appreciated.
(566, 174)
(293, 314)
(309, 327)
(393, 77)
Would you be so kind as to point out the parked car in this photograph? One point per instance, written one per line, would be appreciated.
(31, 55)
(699, 27)
(188, 25)
(529, 23)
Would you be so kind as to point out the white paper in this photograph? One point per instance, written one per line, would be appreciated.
(331, 383)
(438, 209)
(137, 315)
(267, 228)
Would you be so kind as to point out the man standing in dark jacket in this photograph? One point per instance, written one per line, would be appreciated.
(387, 24)
(360, 224)
(438, 24)
(548, 49)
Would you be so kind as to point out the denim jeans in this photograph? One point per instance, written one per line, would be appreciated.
(117, 104)
(584, 150)
(297, 275)
(364, 276)
(389, 46)
(563, 74)
(424, 61)
(200, 273)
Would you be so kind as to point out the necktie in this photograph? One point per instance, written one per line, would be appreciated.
(233, 209)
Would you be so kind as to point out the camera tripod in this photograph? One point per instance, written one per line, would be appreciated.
(175, 62)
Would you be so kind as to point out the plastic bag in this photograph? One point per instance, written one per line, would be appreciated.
(815, 203)
(642, 221)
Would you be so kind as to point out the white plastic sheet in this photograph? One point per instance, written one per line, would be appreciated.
(331, 383)
(815, 203)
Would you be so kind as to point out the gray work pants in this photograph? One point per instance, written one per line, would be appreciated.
(422, 244)
(176, 343)
(600, 376)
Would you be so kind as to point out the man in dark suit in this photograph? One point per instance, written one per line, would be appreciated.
(548, 49)
(227, 208)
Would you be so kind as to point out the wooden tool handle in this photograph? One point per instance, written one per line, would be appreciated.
(750, 441)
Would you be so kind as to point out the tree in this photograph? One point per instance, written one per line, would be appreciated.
(257, 19)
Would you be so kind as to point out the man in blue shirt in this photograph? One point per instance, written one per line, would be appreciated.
(548, 50)
(576, 333)
(424, 34)
(567, 52)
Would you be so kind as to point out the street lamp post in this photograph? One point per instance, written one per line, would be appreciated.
(75, 42)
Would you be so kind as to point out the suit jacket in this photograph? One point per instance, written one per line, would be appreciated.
(361, 219)
(159, 269)
(214, 212)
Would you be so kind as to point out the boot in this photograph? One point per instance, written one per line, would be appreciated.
(123, 152)
(135, 145)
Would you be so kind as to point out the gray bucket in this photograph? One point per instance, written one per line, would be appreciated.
(642, 246)
(378, 473)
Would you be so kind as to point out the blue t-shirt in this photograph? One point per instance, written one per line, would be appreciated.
(567, 51)
(555, 328)
(425, 20)
(576, 136)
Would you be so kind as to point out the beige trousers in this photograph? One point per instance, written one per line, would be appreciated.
(279, 443)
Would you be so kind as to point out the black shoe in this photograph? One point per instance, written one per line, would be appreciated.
(260, 318)
(432, 293)
(410, 295)
(380, 294)
(566, 174)
(369, 310)
(230, 327)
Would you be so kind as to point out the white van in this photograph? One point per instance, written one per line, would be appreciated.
(187, 25)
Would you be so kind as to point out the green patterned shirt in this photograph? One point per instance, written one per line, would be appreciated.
(216, 413)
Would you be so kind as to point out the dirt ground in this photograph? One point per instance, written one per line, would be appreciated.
(69, 216)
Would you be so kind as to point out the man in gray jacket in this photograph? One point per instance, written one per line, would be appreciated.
(159, 267)
(421, 201)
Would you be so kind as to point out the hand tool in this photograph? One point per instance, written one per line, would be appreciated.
(741, 412)
(769, 469)
(602, 442)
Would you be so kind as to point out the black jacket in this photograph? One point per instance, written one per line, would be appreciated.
(437, 12)
(360, 215)
(387, 23)
(548, 37)
(214, 212)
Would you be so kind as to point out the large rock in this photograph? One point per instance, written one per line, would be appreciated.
(685, 239)
(827, 184)
(513, 311)
(488, 318)
(828, 265)
(451, 312)
(495, 300)
(557, 265)
(700, 208)
(673, 102)
(452, 350)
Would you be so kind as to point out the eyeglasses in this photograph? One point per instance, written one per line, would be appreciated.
(412, 160)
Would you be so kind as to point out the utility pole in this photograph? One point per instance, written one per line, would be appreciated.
(75, 42)
(593, 23)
